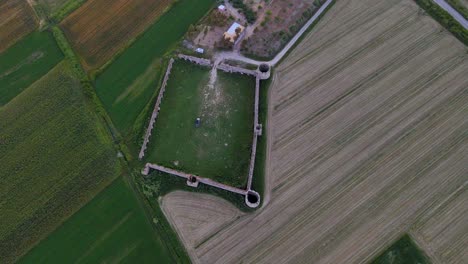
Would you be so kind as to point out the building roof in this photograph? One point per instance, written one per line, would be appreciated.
(233, 27)
(231, 34)
(221, 7)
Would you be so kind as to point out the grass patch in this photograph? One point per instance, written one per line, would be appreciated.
(404, 251)
(111, 228)
(55, 157)
(62, 8)
(444, 19)
(25, 62)
(113, 83)
(220, 147)
(258, 181)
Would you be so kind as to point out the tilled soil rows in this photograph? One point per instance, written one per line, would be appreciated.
(367, 141)
(17, 19)
(101, 28)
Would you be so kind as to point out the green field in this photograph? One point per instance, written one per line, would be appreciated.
(404, 251)
(55, 157)
(25, 62)
(220, 147)
(129, 82)
(111, 228)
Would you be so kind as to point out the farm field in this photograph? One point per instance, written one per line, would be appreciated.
(402, 251)
(111, 228)
(17, 19)
(25, 62)
(367, 142)
(55, 157)
(211, 218)
(101, 28)
(220, 147)
(440, 231)
(126, 86)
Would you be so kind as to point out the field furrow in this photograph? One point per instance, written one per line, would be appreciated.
(367, 137)
(101, 28)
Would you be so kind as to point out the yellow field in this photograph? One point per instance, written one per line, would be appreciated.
(16, 20)
(367, 141)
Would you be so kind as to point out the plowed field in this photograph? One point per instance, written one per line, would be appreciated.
(16, 20)
(101, 28)
(367, 142)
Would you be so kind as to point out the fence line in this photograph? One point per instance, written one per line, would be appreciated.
(233, 69)
(155, 110)
(189, 176)
(257, 131)
(192, 179)
(196, 60)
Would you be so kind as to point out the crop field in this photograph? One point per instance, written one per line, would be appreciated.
(211, 218)
(16, 20)
(442, 231)
(25, 62)
(127, 85)
(220, 147)
(367, 142)
(112, 228)
(55, 157)
(101, 28)
(402, 251)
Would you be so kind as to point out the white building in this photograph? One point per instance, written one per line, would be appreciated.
(221, 8)
(231, 33)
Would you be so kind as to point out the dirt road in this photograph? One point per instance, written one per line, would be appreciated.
(454, 13)
(233, 55)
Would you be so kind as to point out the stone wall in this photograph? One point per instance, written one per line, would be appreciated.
(155, 110)
(196, 60)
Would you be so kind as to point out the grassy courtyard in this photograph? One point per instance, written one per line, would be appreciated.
(220, 147)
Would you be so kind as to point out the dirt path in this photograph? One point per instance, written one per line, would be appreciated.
(239, 57)
(454, 13)
(233, 11)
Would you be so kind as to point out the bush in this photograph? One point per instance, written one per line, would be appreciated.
(249, 14)
(459, 7)
(69, 53)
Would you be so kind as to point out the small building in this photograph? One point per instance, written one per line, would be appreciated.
(197, 122)
(221, 8)
(233, 32)
(200, 50)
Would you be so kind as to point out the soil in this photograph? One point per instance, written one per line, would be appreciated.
(278, 21)
(208, 33)
(17, 19)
